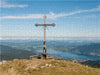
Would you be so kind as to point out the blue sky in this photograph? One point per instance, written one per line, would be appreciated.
(72, 18)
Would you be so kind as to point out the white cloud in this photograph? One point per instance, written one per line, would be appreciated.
(30, 16)
(51, 15)
(7, 5)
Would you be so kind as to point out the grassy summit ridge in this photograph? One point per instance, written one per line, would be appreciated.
(45, 67)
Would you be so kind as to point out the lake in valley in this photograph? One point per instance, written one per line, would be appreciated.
(70, 55)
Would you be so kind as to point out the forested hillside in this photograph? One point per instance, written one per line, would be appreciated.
(8, 53)
(88, 49)
(92, 63)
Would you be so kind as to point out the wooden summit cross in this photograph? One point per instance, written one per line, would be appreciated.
(44, 54)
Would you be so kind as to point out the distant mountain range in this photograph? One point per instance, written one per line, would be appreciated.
(79, 47)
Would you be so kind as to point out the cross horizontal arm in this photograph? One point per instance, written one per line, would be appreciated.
(45, 24)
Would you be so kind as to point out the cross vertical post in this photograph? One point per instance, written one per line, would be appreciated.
(44, 55)
(44, 42)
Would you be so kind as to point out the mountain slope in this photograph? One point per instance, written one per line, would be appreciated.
(88, 49)
(45, 67)
(92, 63)
(9, 53)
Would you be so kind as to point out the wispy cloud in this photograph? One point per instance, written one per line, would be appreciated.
(29, 16)
(51, 15)
(8, 5)
(73, 13)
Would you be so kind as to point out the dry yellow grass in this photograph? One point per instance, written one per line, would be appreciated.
(45, 67)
